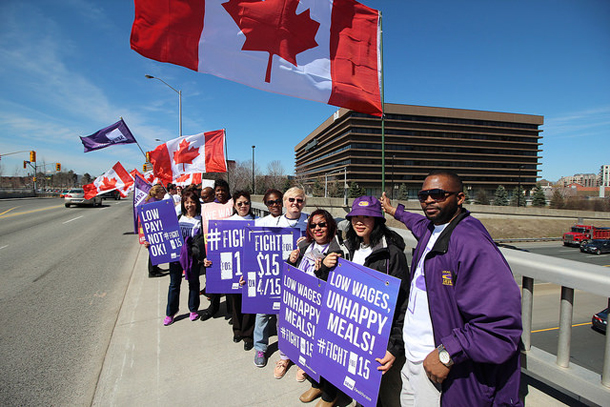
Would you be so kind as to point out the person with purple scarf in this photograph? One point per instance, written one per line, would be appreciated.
(462, 326)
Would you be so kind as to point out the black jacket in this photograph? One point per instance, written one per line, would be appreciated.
(388, 258)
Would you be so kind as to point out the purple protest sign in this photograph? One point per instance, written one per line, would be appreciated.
(264, 253)
(355, 323)
(161, 230)
(299, 315)
(226, 240)
(140, 192)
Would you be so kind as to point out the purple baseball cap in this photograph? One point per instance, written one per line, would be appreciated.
(366, 206)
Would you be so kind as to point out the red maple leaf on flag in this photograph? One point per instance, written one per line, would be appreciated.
(185, 154)
(275, 27)
(107, 184)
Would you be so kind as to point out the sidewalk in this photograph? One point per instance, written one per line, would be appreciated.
(186, 363)
(192, 363)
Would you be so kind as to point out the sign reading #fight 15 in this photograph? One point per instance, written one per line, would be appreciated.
(161, 230)
(226, 241)
(299, 316)
(265, 250)
(355, 323)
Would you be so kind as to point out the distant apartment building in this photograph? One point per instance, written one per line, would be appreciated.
(585, 180)
(486, 149)
(604, 176)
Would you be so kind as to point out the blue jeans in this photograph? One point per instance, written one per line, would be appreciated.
(261, 332)
(173, 296)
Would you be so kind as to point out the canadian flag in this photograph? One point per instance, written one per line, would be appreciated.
(185, 180)
(115, 178)
(322, 50)
(202, 152)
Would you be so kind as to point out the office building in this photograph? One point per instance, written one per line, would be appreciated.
(486, 149)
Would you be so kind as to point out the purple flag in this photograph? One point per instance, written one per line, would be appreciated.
(140, 192)
(117, 133)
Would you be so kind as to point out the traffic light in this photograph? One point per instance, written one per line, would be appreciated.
(148, 156)
(33, 156)
(144, 168)
(58, 167)
(25, 164)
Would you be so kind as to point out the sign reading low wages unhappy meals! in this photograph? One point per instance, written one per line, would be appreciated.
(161, 230)
(299, 315)
(355, 323)
(265, 250)
(226, 240)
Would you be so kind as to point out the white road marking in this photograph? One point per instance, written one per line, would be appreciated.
(78, 217)
(3, 247)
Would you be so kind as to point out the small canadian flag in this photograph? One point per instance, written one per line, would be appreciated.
(115, 178)
(199, 153)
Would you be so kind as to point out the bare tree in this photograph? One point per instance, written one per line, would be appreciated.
(241, 178)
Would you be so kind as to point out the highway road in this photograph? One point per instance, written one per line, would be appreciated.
(63, 278)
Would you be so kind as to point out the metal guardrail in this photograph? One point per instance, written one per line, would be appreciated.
(555, 371)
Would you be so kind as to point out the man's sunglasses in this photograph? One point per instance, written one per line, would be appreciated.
(322, 225)
(299, 200)
(276, 202)
(437, 194)
(246, 203)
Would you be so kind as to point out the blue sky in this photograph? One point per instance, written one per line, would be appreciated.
(66, 69)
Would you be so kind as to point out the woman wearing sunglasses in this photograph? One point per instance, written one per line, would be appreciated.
(369, 242)
(315, 256)
(294, 201)
(242, 206)
(243, 324)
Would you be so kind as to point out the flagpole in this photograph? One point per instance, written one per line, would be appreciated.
(382, 107)
(227, 157)
(134, 137)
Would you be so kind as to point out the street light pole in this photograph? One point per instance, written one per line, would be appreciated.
(179, 92)
(253, 147)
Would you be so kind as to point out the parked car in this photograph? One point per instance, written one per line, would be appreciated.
(596, 246)
(600, 320)
(76, 196)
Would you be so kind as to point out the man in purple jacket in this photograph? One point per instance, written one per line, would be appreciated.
(463, 324)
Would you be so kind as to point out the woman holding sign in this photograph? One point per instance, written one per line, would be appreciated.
(243, 324)
(190, 225)
(294, 201)
(371, 243)
(321, 241)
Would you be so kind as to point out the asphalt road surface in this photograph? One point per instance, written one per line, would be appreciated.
(63, 277)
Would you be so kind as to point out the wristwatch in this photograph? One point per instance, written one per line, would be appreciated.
(444, 356)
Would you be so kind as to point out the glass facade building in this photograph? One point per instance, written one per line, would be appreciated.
(486, 149)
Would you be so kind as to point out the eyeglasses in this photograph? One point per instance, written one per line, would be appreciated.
(437, 194)
(276, 202)
(321, 225)
(299, 200)
(246, 203)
